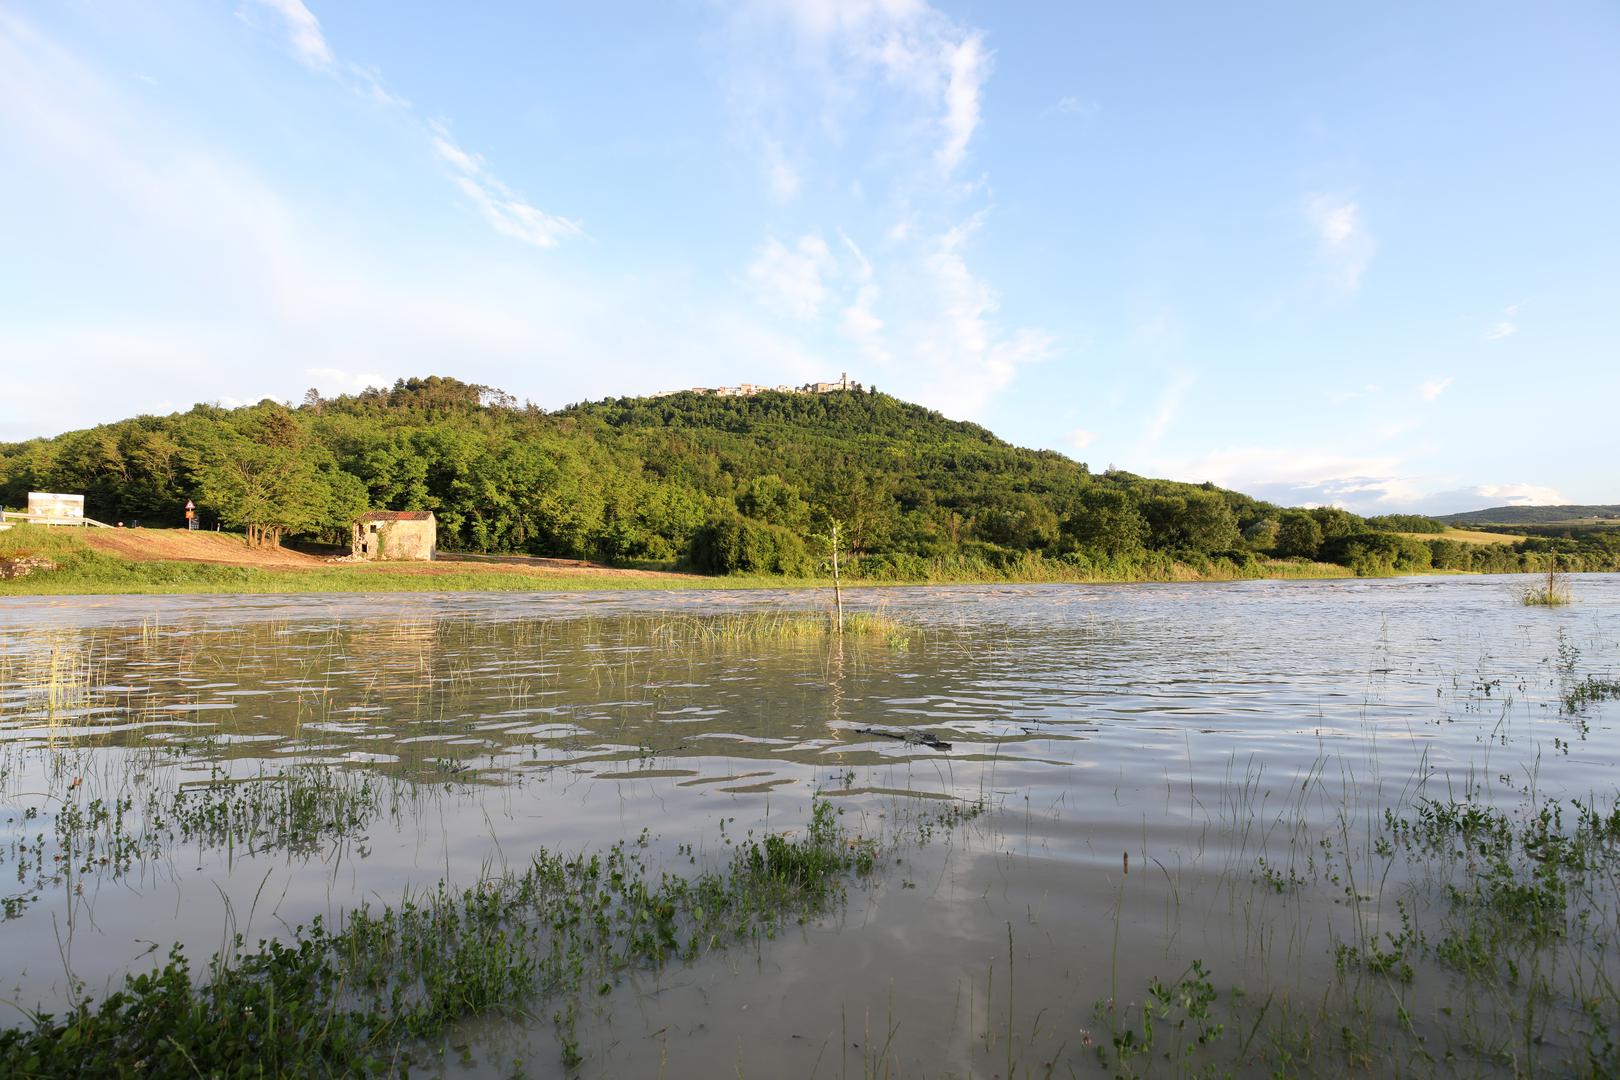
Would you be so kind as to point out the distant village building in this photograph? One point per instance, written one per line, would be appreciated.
(396, 535)
(750, 389)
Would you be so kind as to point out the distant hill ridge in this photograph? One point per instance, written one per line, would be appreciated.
(734, 483)
(1535, 515)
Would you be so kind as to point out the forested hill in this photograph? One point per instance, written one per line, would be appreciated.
(717, 483)
(1536, 515)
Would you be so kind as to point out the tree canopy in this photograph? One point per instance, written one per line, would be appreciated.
(722, 484)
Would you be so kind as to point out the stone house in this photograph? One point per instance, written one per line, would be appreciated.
(395, 535)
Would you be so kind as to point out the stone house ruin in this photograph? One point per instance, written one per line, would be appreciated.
(395, 535)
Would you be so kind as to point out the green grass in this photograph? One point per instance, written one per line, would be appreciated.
(85, 571)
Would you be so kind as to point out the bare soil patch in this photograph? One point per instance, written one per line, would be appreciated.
(181, 545)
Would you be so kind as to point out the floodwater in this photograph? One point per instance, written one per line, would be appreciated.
(1138, 749)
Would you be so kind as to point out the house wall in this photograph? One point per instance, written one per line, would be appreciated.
(396, 540)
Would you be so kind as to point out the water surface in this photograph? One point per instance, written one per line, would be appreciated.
(1138, 747)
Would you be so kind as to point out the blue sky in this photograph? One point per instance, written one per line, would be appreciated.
(1366, 255)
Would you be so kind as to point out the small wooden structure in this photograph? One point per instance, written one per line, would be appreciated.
(395, 535)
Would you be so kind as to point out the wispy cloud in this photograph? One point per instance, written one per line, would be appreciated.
(303, 32)
(967, 65)
(1080, 438)
(1295, 475)
(347, 382)
(1073, 106)
(782, 176)
(1506, 327)
(1522, 494)
(1345, 396)
(964, 348)
(1344, 246)
(504, 211)
(1433, 388)
(256, 280)
(935, 333)
(906, 298)
(909, 44)
(1170, 399)
(861, 323)
(790, 279)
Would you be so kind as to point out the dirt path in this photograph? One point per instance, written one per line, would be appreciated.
(152, 545)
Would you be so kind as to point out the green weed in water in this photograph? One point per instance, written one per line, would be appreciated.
(361, 998)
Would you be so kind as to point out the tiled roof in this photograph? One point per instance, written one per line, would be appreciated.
(396, 515)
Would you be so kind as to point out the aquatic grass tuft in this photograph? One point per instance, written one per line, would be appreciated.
(1589, 690)
(777, 627)
(1552, 591)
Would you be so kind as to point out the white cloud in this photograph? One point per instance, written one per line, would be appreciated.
(790, 279)
(860, 321)
(1301, 476)
(1170, 399)
(1080, 438)
(967, 355)
(347, 382)
(910, 44)
(1433, 388)
(505, 212)
(256, 282)
(929, 331)
(1365, 484)
(968, 66)
(1506, 327)
(1344, 247)
(782, 176)
(303, 31)
(1522, 494)
(1354, 395)
(1073, 106)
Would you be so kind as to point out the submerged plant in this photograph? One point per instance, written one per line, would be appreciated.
(360, 998)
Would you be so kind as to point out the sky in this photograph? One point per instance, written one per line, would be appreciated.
(1362, 255)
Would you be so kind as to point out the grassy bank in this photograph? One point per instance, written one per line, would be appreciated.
(81, 570)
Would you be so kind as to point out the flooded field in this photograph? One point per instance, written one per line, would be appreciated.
(1258, 828)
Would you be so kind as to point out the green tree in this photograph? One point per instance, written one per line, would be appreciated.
(1107, 522)
(1298, 535)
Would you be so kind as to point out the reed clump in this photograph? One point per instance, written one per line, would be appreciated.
(777, 627)
(1551, 590)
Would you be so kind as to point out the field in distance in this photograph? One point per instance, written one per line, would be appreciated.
(1468, 536)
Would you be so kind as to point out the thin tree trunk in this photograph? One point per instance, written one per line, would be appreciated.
(838, 592)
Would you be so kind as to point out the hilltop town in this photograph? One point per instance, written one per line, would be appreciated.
(750, 389)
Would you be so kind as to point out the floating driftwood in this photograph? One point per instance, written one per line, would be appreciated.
(916, 738)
